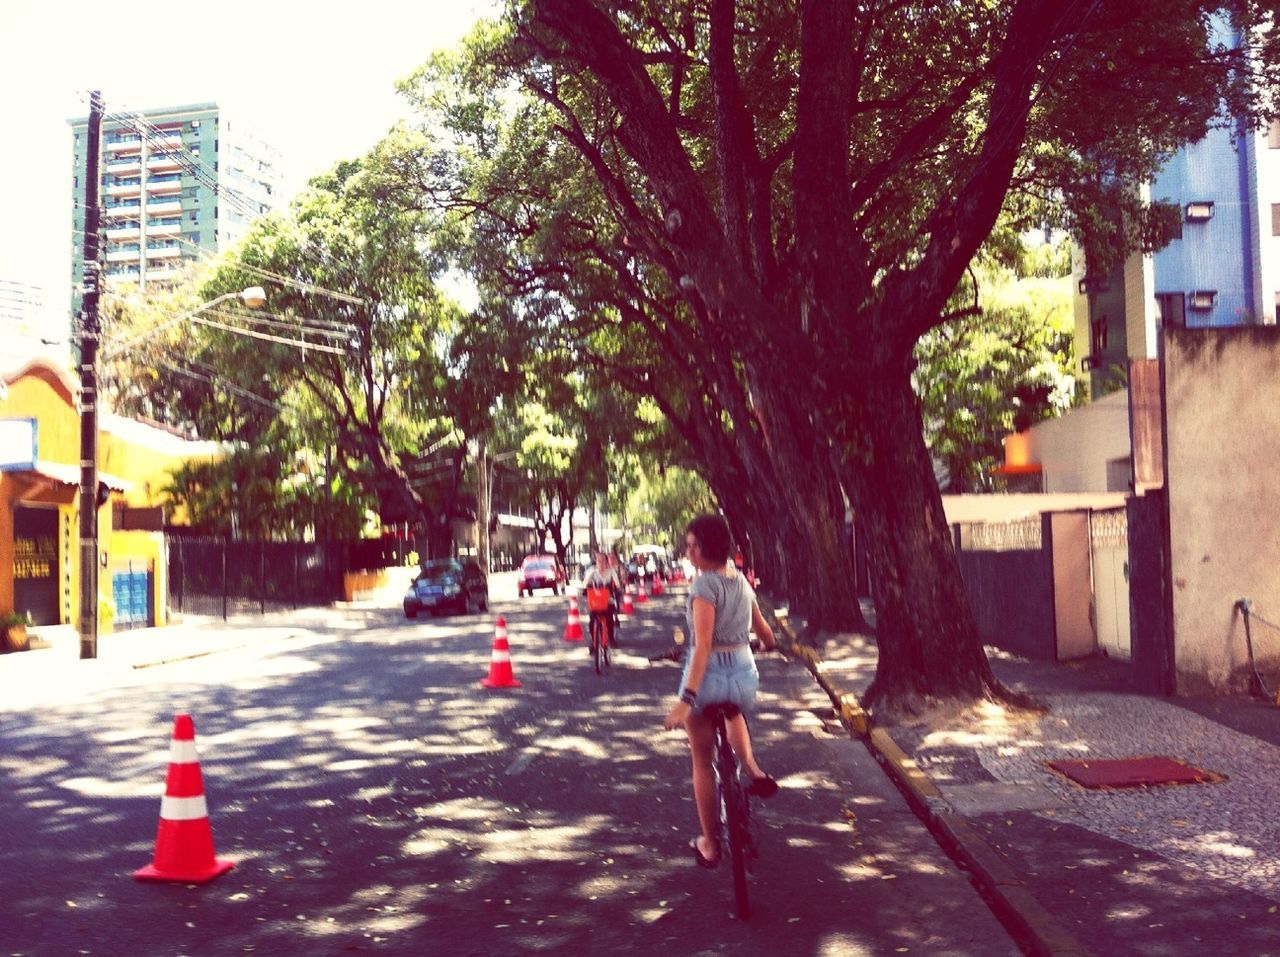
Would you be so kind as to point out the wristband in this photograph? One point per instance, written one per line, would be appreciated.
(689, 697)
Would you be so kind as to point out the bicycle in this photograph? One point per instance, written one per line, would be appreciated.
(734, 803)
(600, 626)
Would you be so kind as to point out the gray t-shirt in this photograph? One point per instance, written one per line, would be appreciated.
(732, 598)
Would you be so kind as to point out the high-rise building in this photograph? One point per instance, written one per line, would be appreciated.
(177, 184)
(1222, 269)
(28, 327)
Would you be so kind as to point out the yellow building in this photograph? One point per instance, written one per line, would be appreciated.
(39, 503)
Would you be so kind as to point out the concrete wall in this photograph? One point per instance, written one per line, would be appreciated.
(1074, 449)
(1222, 448)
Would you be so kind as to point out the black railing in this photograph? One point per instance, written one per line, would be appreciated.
(220, 578)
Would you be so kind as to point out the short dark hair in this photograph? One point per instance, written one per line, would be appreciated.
(714, 539)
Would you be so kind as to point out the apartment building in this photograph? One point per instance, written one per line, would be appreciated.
(177, 184)
(1222, 270)
(28, 327)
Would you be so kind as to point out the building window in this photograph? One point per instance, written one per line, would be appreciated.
(1203, 299)
(1171, 309)
(195, 124)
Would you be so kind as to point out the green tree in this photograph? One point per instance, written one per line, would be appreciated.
(983, 376)
(368, 345)
(527, 217)
(816, 180)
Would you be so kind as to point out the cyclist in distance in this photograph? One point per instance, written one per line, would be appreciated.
(720, 668)
(603, 576)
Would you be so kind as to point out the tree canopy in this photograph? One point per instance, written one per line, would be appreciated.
(790, 196)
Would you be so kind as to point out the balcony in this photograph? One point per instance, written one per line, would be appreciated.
(132, 189)
(123, 232)
(129, 144)
(167, 253)
(165, 140)
(123, 256)
(164, 204)
(163, 162)
(164, 229)
(116, 212)
(164, 184)
(125, 167)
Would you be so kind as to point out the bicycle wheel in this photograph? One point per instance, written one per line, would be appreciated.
(607, 634)
(734, 823)
(597, 643)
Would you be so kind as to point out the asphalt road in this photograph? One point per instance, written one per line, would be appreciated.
(377, 800)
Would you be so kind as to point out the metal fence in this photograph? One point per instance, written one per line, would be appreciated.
(220, 578)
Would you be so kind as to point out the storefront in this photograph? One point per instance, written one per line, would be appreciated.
(40, 502)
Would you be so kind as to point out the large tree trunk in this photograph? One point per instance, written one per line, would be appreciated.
(927, 637)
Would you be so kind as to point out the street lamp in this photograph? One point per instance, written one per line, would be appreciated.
(254, 298)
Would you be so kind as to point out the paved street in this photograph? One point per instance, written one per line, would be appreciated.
(377, 800)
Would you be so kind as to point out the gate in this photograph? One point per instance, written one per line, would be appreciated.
(133, 590)
(1109, 551)
(35, 563)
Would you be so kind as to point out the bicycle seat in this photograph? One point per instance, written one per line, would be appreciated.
(721, 709)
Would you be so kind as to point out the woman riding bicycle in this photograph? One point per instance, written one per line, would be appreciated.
(603, 579)
(720, 669)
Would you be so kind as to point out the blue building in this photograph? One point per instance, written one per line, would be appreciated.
(1222, 270)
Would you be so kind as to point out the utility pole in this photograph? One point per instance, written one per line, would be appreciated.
(89, 391)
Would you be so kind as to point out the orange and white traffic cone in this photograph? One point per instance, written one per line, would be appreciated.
(500, 673)
(627, 607)
(641, 597)
(573, 630)
(657, 585)
(184, 840)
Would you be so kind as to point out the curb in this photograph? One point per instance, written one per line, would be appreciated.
(1037, 930)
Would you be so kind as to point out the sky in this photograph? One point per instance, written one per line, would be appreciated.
(315, 78)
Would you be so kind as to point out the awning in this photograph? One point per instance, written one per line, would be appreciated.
(67, 475)
(1027, 468)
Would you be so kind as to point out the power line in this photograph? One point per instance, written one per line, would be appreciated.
(255, 270)
(223, 382)
(304, 346)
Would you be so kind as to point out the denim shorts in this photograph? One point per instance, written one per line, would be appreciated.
(731, 676)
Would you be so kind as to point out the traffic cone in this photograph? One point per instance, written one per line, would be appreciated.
(500, 674)
(657, 585)
(184, 840)
(573, 630)
(627, 607)
(641, 597)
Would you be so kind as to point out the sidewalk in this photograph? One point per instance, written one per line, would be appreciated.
(1147, 871)
(24, 676)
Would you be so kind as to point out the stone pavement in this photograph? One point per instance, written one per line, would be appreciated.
(1148, 871)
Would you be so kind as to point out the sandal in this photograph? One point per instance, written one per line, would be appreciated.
(701, 861)
(765, 787)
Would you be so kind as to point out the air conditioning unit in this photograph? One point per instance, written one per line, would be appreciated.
(1199, 212)
(1202, 299)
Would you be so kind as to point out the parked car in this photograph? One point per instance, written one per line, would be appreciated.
(447, 584)
(540, 571)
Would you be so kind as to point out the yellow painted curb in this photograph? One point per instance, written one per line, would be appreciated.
(905, 768)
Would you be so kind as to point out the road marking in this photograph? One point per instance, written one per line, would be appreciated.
(535, 747)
